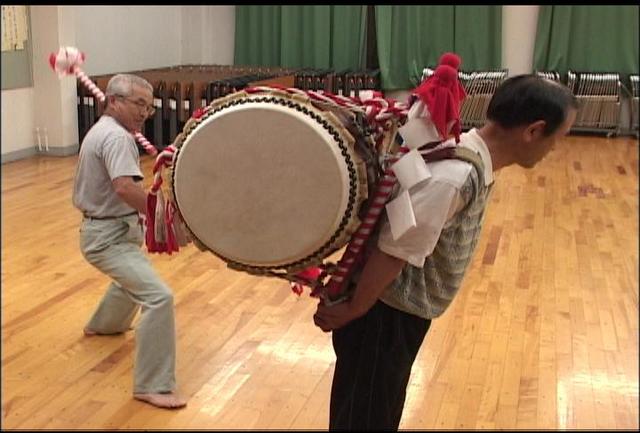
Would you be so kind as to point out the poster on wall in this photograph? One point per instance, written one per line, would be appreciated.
(14, 28)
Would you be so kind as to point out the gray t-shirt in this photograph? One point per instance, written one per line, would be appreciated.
(108, 151)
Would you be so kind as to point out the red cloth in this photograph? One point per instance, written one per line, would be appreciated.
(198, 113)
(442, 97)
(443, 94)
(309, 275)
(453, 60)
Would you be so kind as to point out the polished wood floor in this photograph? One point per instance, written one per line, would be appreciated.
(543, 335)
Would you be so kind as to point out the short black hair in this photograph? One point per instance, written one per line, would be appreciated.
(524, 99)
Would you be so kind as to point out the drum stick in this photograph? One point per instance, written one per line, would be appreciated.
(67, 61)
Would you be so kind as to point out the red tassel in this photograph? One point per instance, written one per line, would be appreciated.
(165, 231)
(296, 288)
(311, 273)
(198, 113)
(308, 276)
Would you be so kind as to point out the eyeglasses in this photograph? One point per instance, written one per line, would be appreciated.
(142, 106)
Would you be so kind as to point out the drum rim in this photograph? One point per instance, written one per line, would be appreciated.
(343, 139)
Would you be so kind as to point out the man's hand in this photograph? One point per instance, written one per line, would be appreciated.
(335, 316)
(379, 271)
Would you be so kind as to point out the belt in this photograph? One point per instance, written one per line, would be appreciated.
(89, 217)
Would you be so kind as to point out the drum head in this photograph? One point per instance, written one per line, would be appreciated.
(263, 184)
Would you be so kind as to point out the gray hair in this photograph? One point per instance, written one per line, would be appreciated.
(122, 85)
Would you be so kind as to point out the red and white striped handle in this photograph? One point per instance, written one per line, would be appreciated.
(146, 145)
(89, 84)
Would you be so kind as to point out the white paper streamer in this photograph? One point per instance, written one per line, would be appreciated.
(400, 214)
(411, 169)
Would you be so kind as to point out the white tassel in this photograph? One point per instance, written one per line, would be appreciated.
(182, 238)
(160, 230)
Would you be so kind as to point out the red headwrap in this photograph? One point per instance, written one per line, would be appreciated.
(443, 94)
(453, 60)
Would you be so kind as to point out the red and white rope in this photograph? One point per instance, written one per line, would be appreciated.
(164, 159)
(345, 265)
(146, 145)
(89, 84)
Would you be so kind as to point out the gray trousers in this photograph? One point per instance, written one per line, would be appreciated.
(113, 246)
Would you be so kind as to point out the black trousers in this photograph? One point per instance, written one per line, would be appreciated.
(374, 355)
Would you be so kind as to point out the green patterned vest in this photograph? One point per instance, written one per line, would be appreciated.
(428, 291)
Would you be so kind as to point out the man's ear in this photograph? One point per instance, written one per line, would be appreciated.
(534, 131)
(109, 101)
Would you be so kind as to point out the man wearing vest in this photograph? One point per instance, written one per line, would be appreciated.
(406, 282)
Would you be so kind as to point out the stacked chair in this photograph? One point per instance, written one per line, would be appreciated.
(634, 102)
(599, 97)
(179, 90)
(550, 75)
(346, 82)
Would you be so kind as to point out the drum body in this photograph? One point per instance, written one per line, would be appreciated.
(271, 180)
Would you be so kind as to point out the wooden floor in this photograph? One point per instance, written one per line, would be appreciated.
(543, 334)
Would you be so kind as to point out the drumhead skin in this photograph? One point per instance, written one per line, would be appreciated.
(265, 184)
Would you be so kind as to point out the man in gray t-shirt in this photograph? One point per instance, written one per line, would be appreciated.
(108, 152)
(108, 191)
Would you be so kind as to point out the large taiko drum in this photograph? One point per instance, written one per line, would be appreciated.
(272, 180)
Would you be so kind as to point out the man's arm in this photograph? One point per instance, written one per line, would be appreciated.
(380, 270)
(131, 192)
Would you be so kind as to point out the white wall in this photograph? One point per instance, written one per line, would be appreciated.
(208, 35)
(18, 126)
(114, 39)
(219, 35)
(54, 100)
(193, 21)
(518, 38)
(128, 38)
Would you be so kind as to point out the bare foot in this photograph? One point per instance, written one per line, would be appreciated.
(168, 400)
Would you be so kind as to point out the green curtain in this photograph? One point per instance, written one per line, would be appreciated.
(587, 39)
(411, 38)
(405, 47)
(478, 37)
(348, 33)
(258, 35)
(305, 30)
(325, 36)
